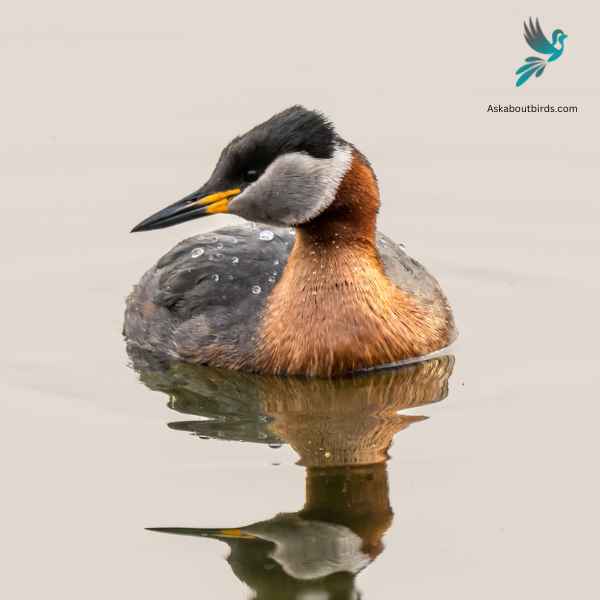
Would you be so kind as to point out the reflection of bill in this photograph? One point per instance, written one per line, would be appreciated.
(342, 430)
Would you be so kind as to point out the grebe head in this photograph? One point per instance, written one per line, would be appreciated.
(285, 171)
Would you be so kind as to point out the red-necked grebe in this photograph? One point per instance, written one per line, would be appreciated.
(314, 290)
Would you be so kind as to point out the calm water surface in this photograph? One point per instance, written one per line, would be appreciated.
(491, 483)
(277, 488)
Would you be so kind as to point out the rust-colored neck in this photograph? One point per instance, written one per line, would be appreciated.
(351, 218)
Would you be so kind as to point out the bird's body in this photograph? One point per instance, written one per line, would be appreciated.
(205, 300)
(325, 297)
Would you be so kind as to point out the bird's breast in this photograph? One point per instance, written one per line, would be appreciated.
(337, 312)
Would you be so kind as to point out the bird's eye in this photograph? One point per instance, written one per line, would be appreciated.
(251, 175)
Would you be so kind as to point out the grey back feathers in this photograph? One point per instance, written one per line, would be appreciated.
(210, 289)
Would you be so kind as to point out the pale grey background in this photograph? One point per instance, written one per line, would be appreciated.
(111, 110)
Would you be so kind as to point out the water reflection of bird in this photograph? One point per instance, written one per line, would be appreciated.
(341, 429)
(536, 39)
(320, 548)
(317, 292)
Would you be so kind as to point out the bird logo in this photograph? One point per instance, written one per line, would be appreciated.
(536, 39)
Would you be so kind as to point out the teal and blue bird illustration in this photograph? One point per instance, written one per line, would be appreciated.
(536, 39)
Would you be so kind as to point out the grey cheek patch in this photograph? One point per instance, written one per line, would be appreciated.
(294, 189)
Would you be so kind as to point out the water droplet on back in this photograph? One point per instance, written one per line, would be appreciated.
(196, 252)
(266, 235)
(215, 277)
(256, 289)
(235, 260)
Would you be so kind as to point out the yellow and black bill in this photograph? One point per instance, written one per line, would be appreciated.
(198, 204)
